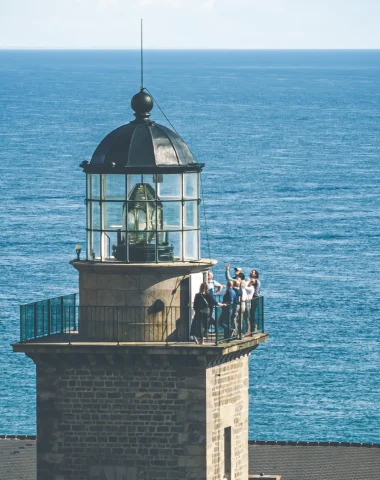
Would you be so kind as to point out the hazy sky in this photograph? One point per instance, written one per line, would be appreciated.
(190, 23)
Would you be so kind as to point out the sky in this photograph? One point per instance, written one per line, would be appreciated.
(190, 24)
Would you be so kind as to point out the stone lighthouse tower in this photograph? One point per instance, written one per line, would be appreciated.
(122, 391)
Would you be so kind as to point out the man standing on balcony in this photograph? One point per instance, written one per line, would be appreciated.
(213, 284)
(238, 273)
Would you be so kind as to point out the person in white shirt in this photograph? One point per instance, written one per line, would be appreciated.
(254, 274)
(244, 306)
(249, 317)
(213, 284)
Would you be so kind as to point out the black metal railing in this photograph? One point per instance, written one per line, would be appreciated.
(48, 317)
(237, 321)
(68, 322)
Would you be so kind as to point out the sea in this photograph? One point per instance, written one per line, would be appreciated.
(291, 187)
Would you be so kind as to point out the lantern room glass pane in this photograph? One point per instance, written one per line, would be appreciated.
(175, 242)
(190, 185)
(141, 216)
(171, 187)
(172, 215)
(88, 215)
(135, 179)
(95, 215)
(95, 253)
(114, 187)
(111, 242)
(95, 186)
(191, 214)
(114, 215)
(191, 245)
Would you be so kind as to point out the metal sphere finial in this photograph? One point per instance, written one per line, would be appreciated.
(142, 104)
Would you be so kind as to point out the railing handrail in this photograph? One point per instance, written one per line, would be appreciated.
(108, 306)
(47, 299)
(103, 322)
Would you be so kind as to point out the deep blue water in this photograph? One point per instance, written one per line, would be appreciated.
(291, 144)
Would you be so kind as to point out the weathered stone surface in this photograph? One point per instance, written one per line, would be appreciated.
(140, 417)
(227, 406)
(129, 285)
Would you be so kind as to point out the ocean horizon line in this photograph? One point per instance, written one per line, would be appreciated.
(137, 49)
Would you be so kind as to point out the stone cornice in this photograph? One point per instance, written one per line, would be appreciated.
(112, 353)
(175, 268)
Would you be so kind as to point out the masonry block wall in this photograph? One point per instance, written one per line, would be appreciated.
(121, 288)
(227, 407)
(127, 286)
(139, 416)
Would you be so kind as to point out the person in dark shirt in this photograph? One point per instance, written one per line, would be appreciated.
(203, 305)
(229, 300)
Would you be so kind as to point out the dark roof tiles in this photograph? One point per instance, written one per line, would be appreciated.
(291, 460)
(315, 460)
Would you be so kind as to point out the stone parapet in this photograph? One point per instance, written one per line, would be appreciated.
(151, 288)
(124, 284)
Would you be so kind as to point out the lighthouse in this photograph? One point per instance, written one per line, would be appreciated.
(123, 393)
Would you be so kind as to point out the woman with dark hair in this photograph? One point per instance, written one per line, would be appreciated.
(254, 280)
(203, 305)
(254, 275)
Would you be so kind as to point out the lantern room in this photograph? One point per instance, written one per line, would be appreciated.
(142, 194)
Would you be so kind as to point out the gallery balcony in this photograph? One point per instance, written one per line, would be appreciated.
(61, 320)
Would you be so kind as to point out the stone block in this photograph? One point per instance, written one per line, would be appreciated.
(112, 472)
(110, 298)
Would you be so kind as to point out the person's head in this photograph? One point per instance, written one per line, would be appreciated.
(243, 284)
(229, 284)
(241, 276)
(254, 273)
(210, 275)
(236, 283)
(237, 271)
(203, 288)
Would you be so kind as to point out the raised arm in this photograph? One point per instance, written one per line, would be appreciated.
(228, 276)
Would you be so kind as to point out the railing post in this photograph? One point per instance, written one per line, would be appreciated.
(239, 320)
(21, 326)
(35, 319)
(117, 327)
(75, 312)
(69, 324)
(216, 326)
(166, 333)
(48, 318)
(61, 314)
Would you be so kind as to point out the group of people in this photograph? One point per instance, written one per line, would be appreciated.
(239, 303)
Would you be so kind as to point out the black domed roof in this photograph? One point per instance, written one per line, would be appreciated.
(142, 146)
